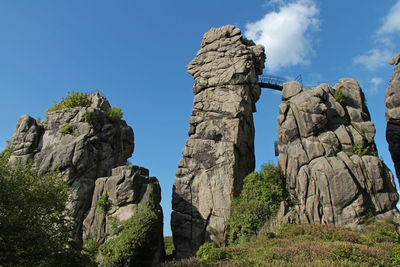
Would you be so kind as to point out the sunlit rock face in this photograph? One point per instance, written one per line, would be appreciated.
(329, 158)
(91, 155)
(220, 150)
(392, 103)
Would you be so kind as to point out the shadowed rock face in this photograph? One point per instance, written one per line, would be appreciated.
(92, 148)
(220, 150)
(392, 103)
(328, 155)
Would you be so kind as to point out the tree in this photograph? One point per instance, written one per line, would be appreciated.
(35, 229)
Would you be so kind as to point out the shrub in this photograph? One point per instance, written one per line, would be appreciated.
(340, 96)
(168, 245)
(73, 99)
(395, 255)
(67, 129)
(364, 148)
(35, 228)
(91, 249)
(115, 114)
(210, 252)
(135, 244)
(103, 204)
(88, 116)
(260, 198)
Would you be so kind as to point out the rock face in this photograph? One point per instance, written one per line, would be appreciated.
(83, 153)
(392, 103)
(329, 158)
(116, 199)
(220, 150)
(84, 144)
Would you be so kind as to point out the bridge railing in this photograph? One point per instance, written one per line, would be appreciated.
(276, 81)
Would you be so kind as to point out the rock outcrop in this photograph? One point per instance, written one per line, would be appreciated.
(84, 144)
(392, 103)
(329, 158)
(220, 150)
(116, 199)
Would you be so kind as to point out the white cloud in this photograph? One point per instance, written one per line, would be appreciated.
(374, 58)
(286, 34)
(391, 22)
(384, 41)
(374, 87)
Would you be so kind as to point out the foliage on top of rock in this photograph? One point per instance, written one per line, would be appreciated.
(72, 100)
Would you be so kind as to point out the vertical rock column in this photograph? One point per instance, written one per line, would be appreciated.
(220, 150)
(392, 103)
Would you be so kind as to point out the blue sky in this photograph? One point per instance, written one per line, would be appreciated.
(135, 53)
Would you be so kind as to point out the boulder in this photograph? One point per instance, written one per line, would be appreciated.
(328, 156)
(220, 150)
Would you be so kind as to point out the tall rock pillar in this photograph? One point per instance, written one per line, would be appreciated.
(220, 150)
(392, 103)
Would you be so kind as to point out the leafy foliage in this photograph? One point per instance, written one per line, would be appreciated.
(73, 99)
(133, 245)
(67, 129)
(210, 252)
(364, 148)
(35, 229)
(115, 114)
(88, 116)
(91, 249)
(260, 198)
(169, 246)
(340, 96)
(103, 204)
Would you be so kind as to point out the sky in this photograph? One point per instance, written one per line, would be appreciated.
(135, 53)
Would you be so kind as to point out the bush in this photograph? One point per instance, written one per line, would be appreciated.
(364, 148)
(88, 116)
(67, 129)
(103, 204)
(35, 228)
(72, 100)
(210, 252)
(115, 114)
(135, 243)
(91, 249)
(340, 96)
(260, 198)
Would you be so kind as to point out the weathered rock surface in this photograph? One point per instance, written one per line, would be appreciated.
(88, 151)
(220, 150)
(84, 144)
(392, 103)
(329, 158)
(127, 187)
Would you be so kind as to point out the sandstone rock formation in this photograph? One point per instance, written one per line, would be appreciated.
(329, 158)
(220, 150)
(392, 103)
(121, 193)
(84, 144)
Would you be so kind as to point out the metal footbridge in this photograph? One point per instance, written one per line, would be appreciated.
(275, 82)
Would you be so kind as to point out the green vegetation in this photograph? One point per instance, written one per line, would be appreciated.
(35, 228)
(364, 148)
(88, 116)
(307, 245)
(91, 249)
(103, 204)
(169, 246)
(340, 96)
(260, 198)
(73, 99)
(133, 245)
(67, 129)
(115, 114)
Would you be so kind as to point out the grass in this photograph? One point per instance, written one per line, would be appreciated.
(308, 245)
(73, 99)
